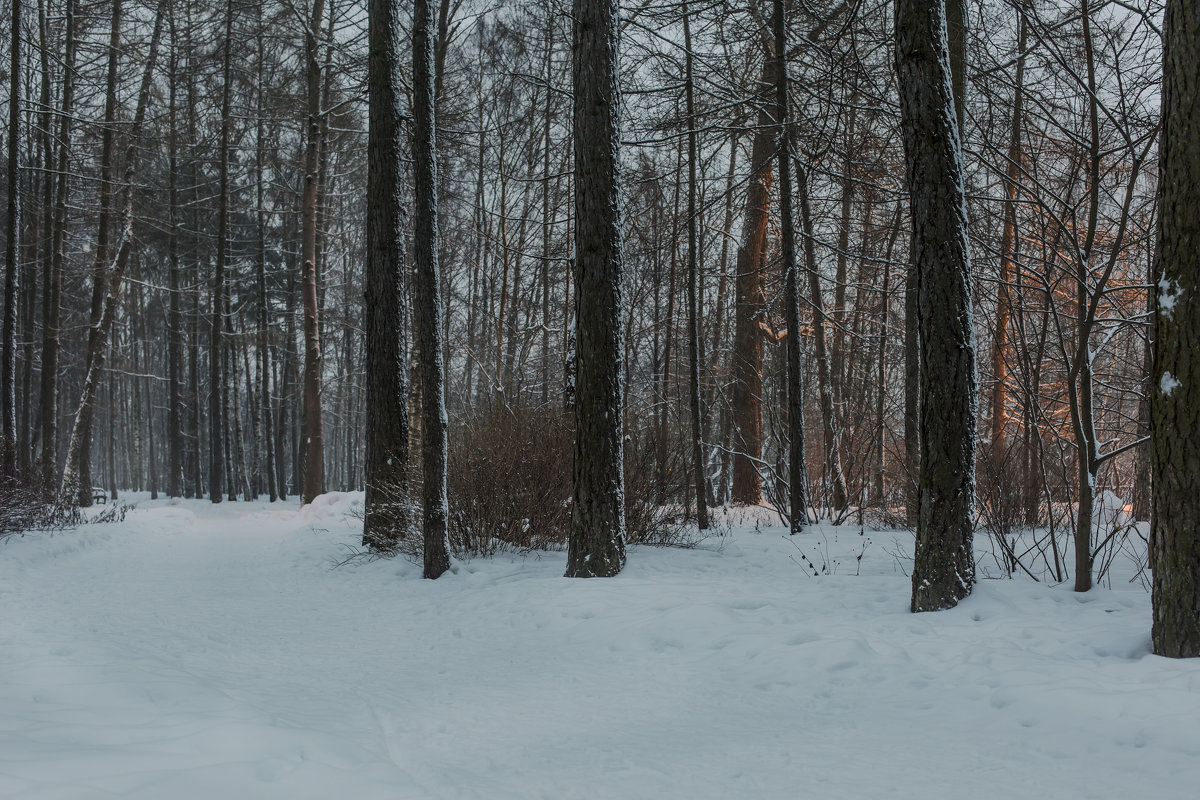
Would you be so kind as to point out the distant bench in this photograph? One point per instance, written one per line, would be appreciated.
(99, 495)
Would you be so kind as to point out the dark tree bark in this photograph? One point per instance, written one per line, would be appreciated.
(8, 356)
(216, 387)
(384, 518)
(797, 479)
(428, 298)
(698, 462)
(313, 460)
(52, 284)
(912, 392)
(267, 447)
(175, 444)
(597, 541)
(547, 213)
(1175, 392)
(943, 568)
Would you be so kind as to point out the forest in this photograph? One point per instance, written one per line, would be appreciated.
(191, 307)
(786, 318)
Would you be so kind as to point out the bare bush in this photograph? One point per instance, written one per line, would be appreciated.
(510, 486)
(21, 509)
(510, 482)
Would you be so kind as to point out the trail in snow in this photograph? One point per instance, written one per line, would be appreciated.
(196, 651)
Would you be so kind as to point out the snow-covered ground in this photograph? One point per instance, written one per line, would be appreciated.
(212, 652)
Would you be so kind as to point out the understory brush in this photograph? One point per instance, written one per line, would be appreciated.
(510, 474)
(23, 510)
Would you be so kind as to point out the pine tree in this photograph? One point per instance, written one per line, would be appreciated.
(597, 541)
(1175, 381)
(387, 374)
(944, 567)
(434, 423)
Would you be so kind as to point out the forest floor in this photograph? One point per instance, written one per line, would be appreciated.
(200, 651)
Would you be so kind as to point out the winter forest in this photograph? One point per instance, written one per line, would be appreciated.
(907, 289)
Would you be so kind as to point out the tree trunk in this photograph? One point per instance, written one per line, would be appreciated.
(698, 462)
(428, 298)
(8, 356)
(912, 391)
(1175, 387)
(174, 307)
(384, 517)
(597, 540)
(943, 567)
(313, 474)
(1080, 389)
(216, 388)
(547, 213)
(750, 306)
(264, 338)
(797, 479)
(52, 291)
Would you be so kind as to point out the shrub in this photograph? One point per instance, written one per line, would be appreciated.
(510, 485)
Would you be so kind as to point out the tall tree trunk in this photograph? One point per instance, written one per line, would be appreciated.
(264, 337)
(750, 306)
(912, 391)
(547, 211)
(699, 469)
(314, 449)
(1175, 389)
(597, 541)
(667, 325)
(216, 353)
(384, 517)
(1080, 393)
(175, 477)
(43, 248)
(944, 566)
(8, 358)
(428, 296)
(52, 291)
(797, 479)
(148, 394)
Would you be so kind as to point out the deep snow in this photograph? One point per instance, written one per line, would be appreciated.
(212, 652)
